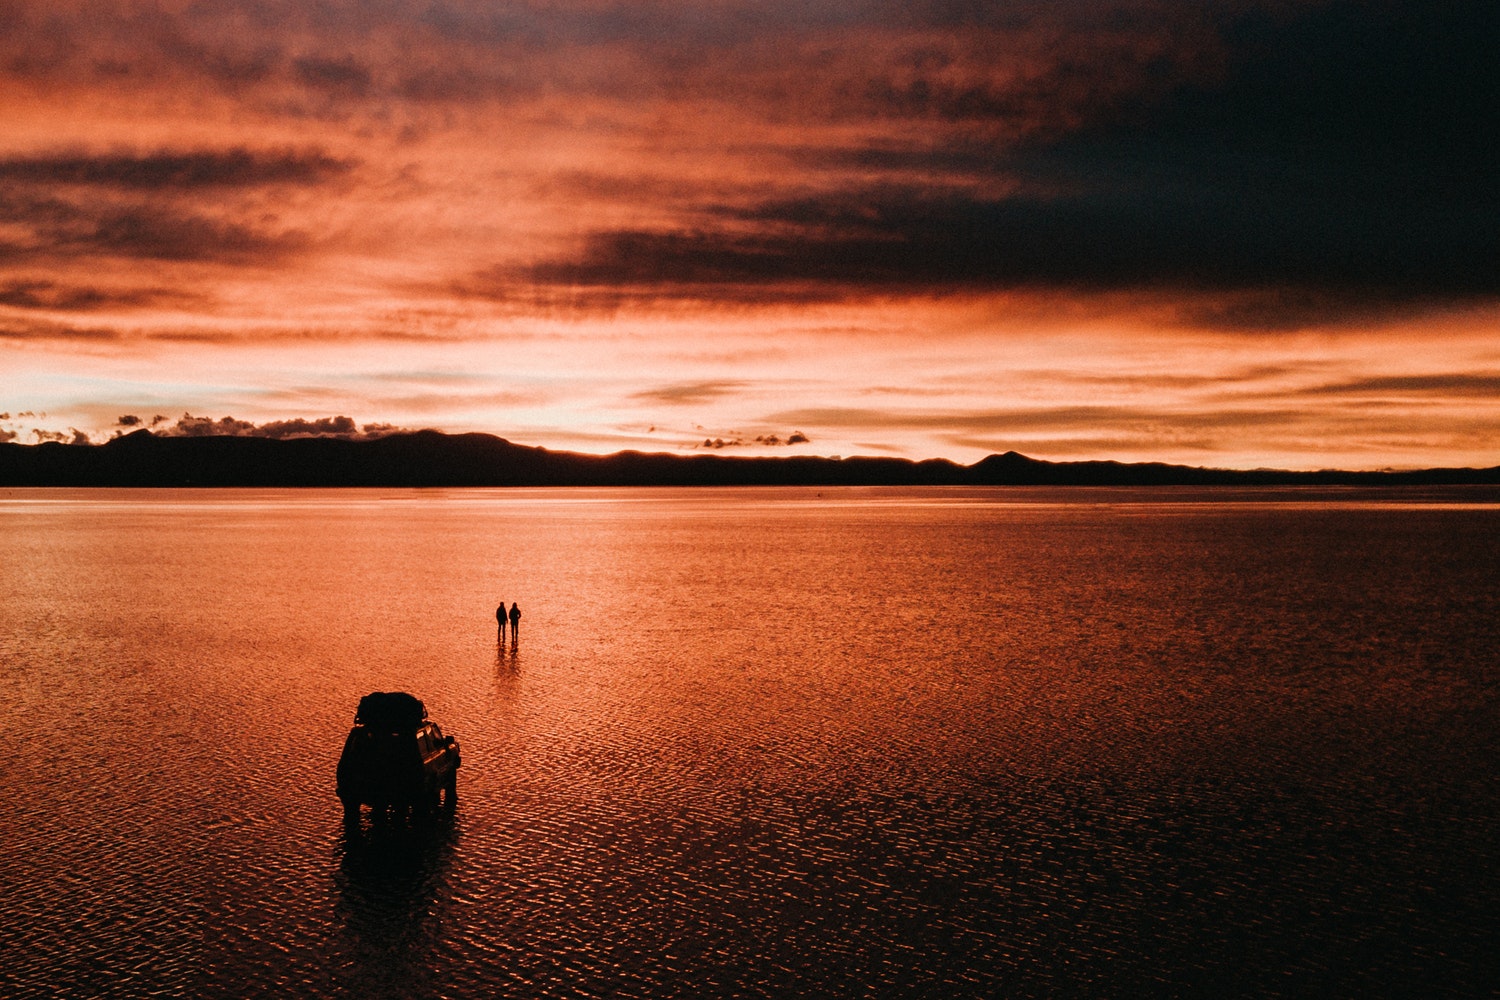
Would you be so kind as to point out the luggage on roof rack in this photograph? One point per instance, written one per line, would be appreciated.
(391, 711)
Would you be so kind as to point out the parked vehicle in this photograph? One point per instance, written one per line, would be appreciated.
(396, 759)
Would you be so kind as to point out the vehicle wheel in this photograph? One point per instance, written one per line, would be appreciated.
(351, 810)
(450, 791)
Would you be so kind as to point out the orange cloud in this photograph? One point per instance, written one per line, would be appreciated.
(1252, 232)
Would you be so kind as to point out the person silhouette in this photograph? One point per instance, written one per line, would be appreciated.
(500, 617)
(515, 622)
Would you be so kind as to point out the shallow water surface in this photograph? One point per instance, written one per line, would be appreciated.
(768, 742)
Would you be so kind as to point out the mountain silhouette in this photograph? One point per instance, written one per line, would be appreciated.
(432, 458)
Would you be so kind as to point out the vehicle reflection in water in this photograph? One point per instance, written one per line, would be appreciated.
(393, 898)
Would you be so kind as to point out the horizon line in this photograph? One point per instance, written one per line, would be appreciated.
(717, 453)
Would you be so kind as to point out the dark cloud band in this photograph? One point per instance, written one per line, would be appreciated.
(178, 171)
(1313, 163)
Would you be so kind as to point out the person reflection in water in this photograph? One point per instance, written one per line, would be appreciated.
(515, 622)
(500, 617)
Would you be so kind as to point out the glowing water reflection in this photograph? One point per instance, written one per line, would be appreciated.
(755, 743)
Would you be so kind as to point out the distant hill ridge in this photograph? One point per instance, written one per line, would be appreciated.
(432, 458)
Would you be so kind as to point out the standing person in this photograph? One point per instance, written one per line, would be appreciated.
(500, 617)
(515, 622)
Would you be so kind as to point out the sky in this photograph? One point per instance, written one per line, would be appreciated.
(1220, 233)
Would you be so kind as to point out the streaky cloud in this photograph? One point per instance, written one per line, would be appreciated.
(178, 171)
(51, 296)
(57, 227)
(1036, 418)
(1475, 385)
(690, 393)
(44, 331)
(914, 240)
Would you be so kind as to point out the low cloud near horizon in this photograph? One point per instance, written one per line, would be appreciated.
(190, 426)
(344, 428)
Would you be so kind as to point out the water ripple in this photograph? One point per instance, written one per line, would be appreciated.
(753, 748)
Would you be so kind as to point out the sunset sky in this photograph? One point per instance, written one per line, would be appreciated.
(1234, 234)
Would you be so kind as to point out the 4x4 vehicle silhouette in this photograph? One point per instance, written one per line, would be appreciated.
(396, 759)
